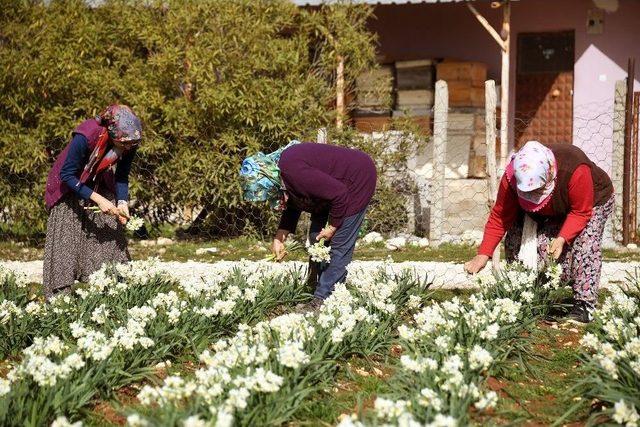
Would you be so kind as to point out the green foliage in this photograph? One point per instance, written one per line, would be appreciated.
(211, 80)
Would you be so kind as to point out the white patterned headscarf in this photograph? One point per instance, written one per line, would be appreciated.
(534, 168)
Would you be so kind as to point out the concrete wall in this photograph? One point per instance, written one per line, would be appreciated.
(450, 31)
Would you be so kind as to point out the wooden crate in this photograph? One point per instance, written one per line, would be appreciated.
(423, 123)
(374, 89)
(477, 166)
(414, 74)
(472, 73)
(373, 78)
(372, 123)
(463, 95)
(420, 98)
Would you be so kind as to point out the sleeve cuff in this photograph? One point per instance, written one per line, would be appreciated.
(565, 237)
(337, 222)
(85, 192)
(486, 252)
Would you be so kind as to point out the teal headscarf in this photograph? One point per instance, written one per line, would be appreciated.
(260, 177)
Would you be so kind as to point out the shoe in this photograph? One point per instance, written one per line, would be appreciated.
(310, 307)
(581, 313)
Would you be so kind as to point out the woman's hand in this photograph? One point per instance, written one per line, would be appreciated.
(123, 216)
(277, 247)
(278, 250)
(326, 233)
(476, 264)
(106, 207)
(556, 247)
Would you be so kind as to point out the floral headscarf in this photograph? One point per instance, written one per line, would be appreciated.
(534, 168)
(260, 178)
(122, 126)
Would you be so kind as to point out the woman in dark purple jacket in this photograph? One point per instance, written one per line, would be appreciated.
(334, 184)
(93, 167)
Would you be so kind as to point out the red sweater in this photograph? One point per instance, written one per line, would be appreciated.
(506, 210)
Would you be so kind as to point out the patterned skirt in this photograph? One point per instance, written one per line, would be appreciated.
(78, 242)
(581, 260)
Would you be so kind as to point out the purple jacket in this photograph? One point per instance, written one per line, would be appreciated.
(56, 188)
(323, 177)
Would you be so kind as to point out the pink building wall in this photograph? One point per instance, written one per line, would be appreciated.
(449, 30)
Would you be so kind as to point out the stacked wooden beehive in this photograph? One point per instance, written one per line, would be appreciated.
(465, 81)
(466, 135)
(414, 85)
(374, 97)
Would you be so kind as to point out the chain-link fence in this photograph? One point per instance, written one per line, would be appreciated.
(433, 178)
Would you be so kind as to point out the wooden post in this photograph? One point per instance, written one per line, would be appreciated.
(504, 84)
(340, 92)
(492, 169)
(503, 39)
(321, 137)
(440, 118)
(634, 167)
(617, 169)
(626, 176)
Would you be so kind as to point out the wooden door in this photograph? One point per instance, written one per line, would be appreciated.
(544, 88)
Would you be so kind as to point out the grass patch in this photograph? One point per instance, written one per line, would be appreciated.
(251, 249)
(354, 390)
(540, 396)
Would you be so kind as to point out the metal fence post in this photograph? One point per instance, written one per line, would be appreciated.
(617, 164)
(440, 118)
(492, 167)
(321, 137)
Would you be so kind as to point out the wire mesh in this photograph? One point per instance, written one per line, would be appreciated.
(432, 184)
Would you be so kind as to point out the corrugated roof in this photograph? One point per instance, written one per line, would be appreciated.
(320, 2)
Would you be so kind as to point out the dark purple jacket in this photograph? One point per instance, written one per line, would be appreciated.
(323, 177)
(56, 188)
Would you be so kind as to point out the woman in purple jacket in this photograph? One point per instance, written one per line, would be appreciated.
(334, 184)
(93, 167)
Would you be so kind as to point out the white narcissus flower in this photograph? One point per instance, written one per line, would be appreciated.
(441, 420)
(491, 332)
(135, 420)
(8, 309)
(414, 302)
(224, 419)
(194, 421)
(134, 223)
(489, 400)
(479, 358)
(100, 314)
(527, 296)
(430, 398)
(62, 421)
(349, 422)
(33, 308)
(590, 341)
(389, 409)
(5, 386)
(319, 252)
(292, 355)
(238, 398)
(625, 414)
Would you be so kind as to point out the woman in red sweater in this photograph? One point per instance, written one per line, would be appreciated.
(570, 198)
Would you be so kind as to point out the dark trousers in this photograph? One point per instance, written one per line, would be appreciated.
(324, 276)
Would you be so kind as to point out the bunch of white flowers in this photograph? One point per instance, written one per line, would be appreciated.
(9, 310)
(625, 414)
(62, 421)
(292, 355)
(135, 223)
(44, 361)
(5, 386)
(7, 274)
(319, 252)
